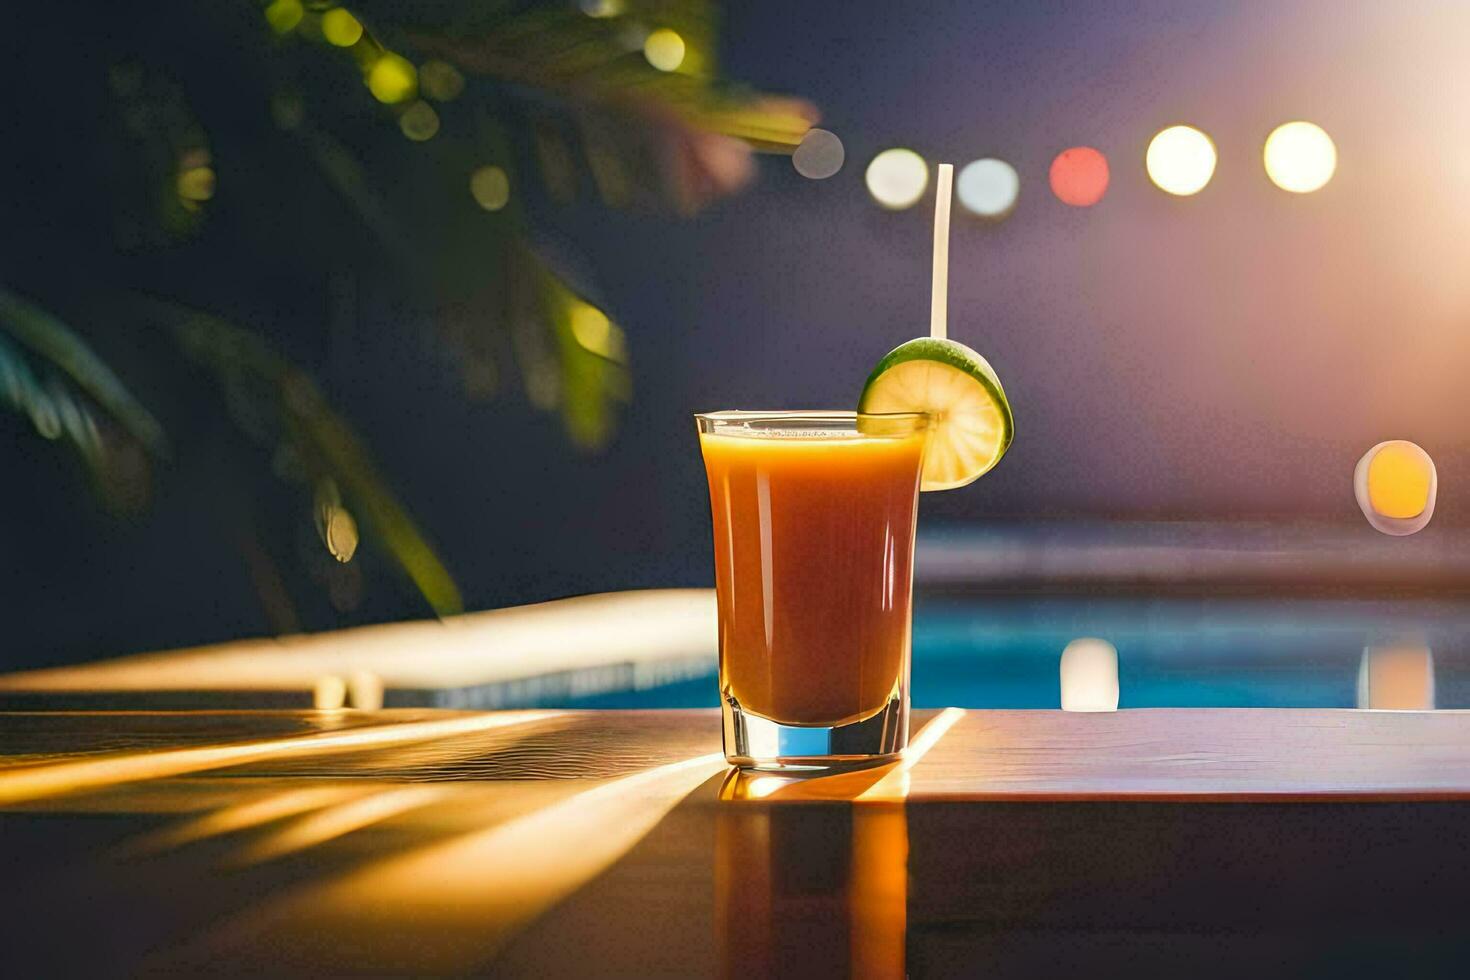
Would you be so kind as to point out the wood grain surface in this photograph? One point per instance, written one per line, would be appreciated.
(1015, 843)
(1199, 754)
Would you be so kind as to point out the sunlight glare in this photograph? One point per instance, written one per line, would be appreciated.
(52, 779)
(894, 786)
(484, 887)
(337, 820)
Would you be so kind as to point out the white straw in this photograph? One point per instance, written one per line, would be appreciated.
(938, 306)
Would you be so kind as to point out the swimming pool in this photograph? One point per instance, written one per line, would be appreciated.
(1003, 652)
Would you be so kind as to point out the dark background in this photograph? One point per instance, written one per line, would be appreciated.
(1223, 357)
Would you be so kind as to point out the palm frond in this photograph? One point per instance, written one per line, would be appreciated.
(56, 406)
(573, 356)
(687, 135)
(280, 407)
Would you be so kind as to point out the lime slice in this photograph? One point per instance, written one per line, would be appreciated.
(969, 418)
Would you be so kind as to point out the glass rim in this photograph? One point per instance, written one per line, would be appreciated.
(797, 415)
(793, 424)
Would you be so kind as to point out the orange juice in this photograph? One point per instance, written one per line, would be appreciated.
(814, 541)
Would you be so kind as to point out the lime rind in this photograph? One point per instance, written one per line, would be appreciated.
(971, 421)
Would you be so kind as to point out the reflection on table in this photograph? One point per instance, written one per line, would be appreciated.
(559, 843)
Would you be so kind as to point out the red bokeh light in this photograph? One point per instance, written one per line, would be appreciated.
(1079, 176)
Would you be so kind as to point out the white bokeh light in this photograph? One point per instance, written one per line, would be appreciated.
(1089, 672)
(1181, 160)
(988, 188)
(897, 178)
(1300, 157)
(819, 155)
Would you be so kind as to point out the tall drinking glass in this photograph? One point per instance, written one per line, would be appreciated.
(814, 518)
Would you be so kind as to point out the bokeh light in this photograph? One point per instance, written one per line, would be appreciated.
(1397, 677)
(196, 184)
(1300, 157)
(896, 178)
(595, 332)
(1089, 675)
(490, 187)
(988, 188)
(601, 8)
(341, 534)
(440, 80)
(1398, 480)
(819, 155)
(1079, 176)
(1395, 483)
(329, 693)
(365, 690)
(419, 122)
(392, 79)
(339, 27)
(664, 49)
(1181, 160)
(284, 15)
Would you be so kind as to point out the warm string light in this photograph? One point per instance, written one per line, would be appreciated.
(897, 178)
(988, 188)
(1298, 156)
(1180, 160)
(1395, 484)
(1079, 176)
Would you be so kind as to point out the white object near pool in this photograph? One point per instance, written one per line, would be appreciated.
(1089, 675)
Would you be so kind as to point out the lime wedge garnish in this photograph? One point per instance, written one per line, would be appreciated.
(970, 424)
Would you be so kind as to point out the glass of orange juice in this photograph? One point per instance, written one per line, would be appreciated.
(814, 517)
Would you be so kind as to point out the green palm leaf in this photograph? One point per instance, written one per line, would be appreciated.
(279, 406)
(57, 345)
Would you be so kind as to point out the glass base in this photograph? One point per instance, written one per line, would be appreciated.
(754, 742)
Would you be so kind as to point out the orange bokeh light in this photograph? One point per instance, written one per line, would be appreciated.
(1079, 176)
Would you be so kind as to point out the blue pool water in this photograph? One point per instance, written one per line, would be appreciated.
(1003, 652)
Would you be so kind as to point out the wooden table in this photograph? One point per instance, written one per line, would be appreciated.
(548, 843)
